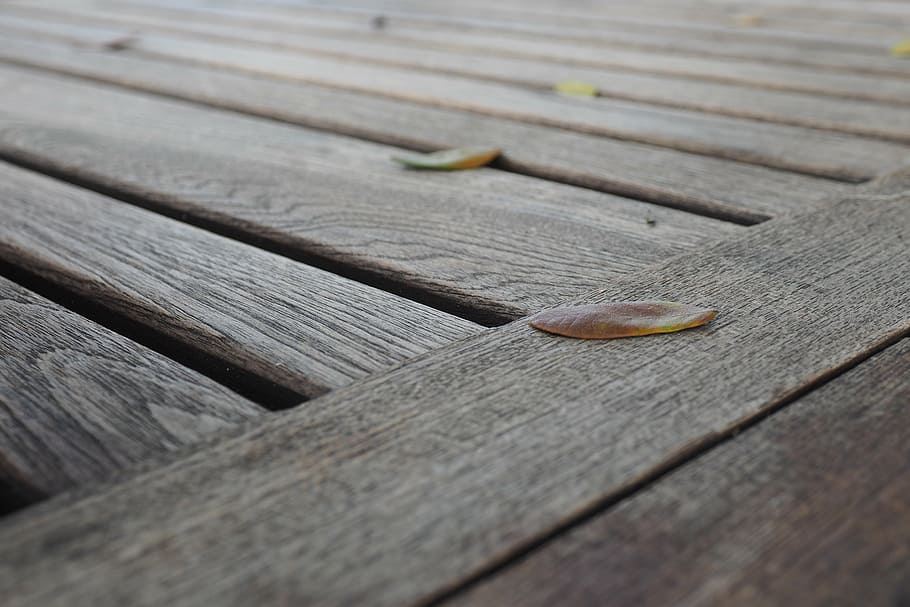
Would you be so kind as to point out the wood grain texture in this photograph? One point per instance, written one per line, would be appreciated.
(734, 42)
(879, 120)
(487, 242)
(808, 508)
(780, 146)
(479, 54)
(300, 327)
(79, 403)
(712, 186)
(418, 478)
(388, 42)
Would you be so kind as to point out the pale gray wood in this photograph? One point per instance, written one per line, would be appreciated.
(303, 328)
(713, 186)
(79, 403)
(555, 54)
(392, 490)
(783, 107)
(857, 28)
(489, 243)
(739, 42)
(781, 146)
(808, 508)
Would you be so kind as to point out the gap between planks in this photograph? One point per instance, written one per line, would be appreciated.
(797, 149)
(504, 437)
(739, 521)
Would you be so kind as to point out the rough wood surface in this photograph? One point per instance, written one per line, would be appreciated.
(300, 327)
(781, 146)
(79, 403)
(713, 186)
(829, 53)
(810, 507)
(486, 242)
(247, 25)
(389, 491)
(884, 121)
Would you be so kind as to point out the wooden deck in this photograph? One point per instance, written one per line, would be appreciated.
(247, 360)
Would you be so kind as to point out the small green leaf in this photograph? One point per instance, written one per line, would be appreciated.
(576, 89)
(621, 319)
(449, 160)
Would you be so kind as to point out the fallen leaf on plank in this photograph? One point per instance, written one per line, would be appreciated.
(450, 160)
(748, 20)
(621, 319)
(901, 49)
(576, 89)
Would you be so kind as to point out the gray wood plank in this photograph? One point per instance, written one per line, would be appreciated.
(713, 186)
(555, 54)
(781, 146)
(300, 327)
(485, 242)
(79, 403)
(744, 43)
(808, 508)
(884, 121)
(857, 28)
(394, 489)
(703, 22)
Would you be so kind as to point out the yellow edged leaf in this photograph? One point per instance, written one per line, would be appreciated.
(621, 319)
(576, 89)
(901, 49)
(746, 20)
(450, 160)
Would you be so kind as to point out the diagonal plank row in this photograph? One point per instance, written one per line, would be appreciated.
(302, 328)
(828, 53)
(808, 508)
(485, 243)
(795, 148)
(451, 463)
(802, 109)
(712, 186)
(248, 25)
(79, 402)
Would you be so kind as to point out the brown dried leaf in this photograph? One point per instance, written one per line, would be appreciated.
(450, 160)
(621, 319)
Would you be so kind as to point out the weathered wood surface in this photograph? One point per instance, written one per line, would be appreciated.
(79, 402)
(781, 146)
(808, 508)
(854, 33)
(828, 53)
(485, 242)
(418, 478)
(872, 119)
(548, 52)
(300, 327)
(712, 186)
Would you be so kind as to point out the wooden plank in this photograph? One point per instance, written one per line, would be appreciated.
(857, 28)
(711, 186)
(79, 403)
(735, 43)
(300, 327)
(586, 19)
(558, 53)
(808, 508)
(787, 147)
(485, 242)
(884, 121)
(439, 469)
